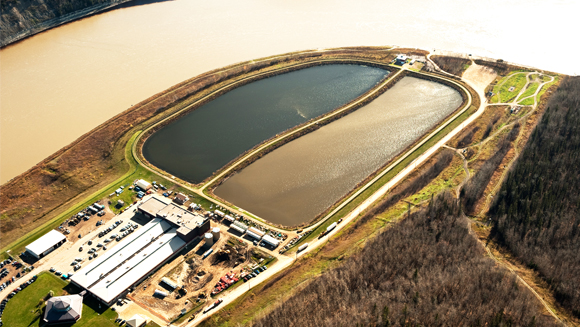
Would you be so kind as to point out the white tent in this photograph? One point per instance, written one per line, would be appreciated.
(136, 321)
(143, 184)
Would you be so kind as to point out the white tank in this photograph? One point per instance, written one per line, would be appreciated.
(208, 237)
(216, 233)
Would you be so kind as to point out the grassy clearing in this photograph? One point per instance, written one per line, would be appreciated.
(517, 80)
(532, 87)
(25, 309)
(527, 102)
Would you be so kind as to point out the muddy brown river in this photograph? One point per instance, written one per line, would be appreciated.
(60, 84)
(298, 181)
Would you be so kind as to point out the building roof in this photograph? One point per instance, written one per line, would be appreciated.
(143, 184)
(270, 240)
(153, 205)
(180, 217)
(136, 321)
(63, 308)
(180, 197)
(133, 258)
(46, 242)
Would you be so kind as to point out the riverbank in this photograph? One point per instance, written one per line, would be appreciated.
(97, 158)
(30, 21)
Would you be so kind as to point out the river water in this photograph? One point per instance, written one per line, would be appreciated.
(294, 183)
(205, 140)
(60, 84)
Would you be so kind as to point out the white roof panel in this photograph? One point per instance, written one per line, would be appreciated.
(270, 240)
(130, 260)
(44, 243)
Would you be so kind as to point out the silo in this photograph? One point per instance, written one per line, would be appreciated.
(208, 237)
(216, 233)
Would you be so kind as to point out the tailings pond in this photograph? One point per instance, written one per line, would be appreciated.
(296, 182)
(196, 145)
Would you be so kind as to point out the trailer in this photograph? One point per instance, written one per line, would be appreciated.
(302, 247)
(331, 227)
(219, 213)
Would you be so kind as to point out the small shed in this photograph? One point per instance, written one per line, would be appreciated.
(168, 282)
(142, 184)
(401, 59)
(136, 321)
(180, 198)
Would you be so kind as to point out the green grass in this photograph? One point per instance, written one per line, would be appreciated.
(518, 80)
(546, 87)
(23, 310)
(529, 91)
(527, 102)
(152, 324)
(188, 314)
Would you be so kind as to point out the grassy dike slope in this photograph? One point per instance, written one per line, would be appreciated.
(97, 159)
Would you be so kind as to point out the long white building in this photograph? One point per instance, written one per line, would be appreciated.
(110, 275)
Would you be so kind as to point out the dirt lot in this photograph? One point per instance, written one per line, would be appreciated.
(197, 276)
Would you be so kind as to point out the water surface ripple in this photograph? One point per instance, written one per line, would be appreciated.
(294, 183)
(203, 141)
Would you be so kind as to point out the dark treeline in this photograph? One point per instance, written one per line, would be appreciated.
(476, 185)
(452, 65)
(409, 187)
(427, 270)
(537, 213)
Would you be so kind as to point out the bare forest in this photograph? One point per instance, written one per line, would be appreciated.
(537, 213)
(428, 270)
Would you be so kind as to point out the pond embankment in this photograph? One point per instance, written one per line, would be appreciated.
(203, 141)
(299, 180)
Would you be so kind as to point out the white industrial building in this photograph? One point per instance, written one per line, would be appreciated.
(255, 233)
(110, 275)
(46, 244)
(270, 240)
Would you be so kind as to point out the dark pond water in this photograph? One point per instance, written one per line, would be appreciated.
(196, 145)
(294, 183)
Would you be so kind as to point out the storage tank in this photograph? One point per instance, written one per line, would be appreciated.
(216, 233)
(302, 247)
(331, 227)
(208, 237)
